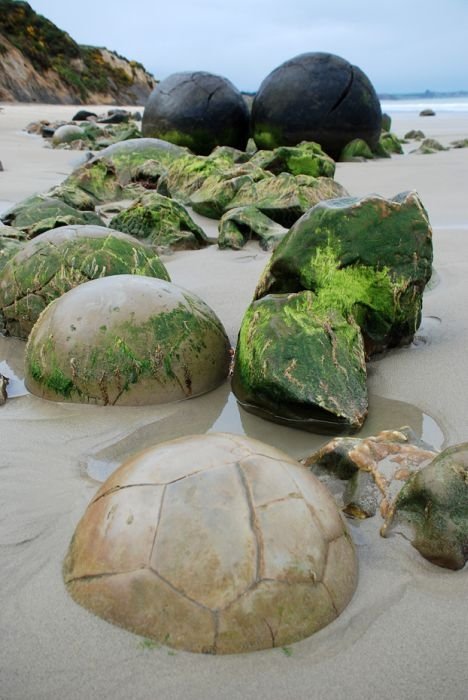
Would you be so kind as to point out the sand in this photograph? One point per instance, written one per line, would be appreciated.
(403, 636)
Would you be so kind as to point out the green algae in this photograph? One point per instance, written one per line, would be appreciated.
(307, 158)
(238, 226)
(357, 149)
(41, 213)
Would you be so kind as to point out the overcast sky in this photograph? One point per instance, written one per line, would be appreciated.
(403, 45)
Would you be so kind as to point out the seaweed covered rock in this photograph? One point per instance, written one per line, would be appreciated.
(390, 143)
(56, 261)
(198, 110)
(285, 197)
(11, 242)
(161, 221)
(67, 133)
(368, 257)
(307, 158)
(38, 214)
(300, 363)
(238, 226)
(429, 146)
(316, 97)
(213, 543)
(431, 509)
(356, 150)
(127, 340)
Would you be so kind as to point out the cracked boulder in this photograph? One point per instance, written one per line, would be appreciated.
(38, 214)
(56, 261)
(316, 97)
(370, 258)
(301, 364)
(11, 242)
(198, 110)
(161, 221)
(238, 226)
(128, 340)
(304, 159)
(431, 509)
(215, 544)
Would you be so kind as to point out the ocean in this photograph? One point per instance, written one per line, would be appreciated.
(438, 104)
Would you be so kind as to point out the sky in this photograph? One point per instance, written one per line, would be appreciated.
(402, 46)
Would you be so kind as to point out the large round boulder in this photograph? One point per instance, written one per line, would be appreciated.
(58, 260)
(199, 110)
(316, 97)
(213, 543)
(127, 340)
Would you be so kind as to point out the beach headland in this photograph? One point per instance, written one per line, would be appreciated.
(404, 633)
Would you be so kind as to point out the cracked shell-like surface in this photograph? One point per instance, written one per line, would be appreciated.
(241, 549)
(127, 340)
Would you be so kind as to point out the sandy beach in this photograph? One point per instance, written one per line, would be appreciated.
(402, 637)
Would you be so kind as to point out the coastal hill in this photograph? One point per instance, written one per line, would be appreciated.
(41, 63)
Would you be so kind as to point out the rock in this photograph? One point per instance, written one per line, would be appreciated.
(56, 261)
(240, 225)
(429, 146)
(368, 257)
(355, 151)
(82, 115)
(415, 135)
(175, 557)
(459, 143)
(198, 110)
(127, 340)
(284, 198)
(4, 381)
(161, 221)
(38, 214)
(365, 474)
(66, 134)
(316, 97)
(432, 509)
(305, 159)
(73, 195)
(115, 117)
(390, 143)
(214, 196)
(301, 364)
(11, 241)
(386, 123)
(137, 116)
(47, 132)
(427, 113)
(1, 167)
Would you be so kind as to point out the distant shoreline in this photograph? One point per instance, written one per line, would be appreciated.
(426, 95)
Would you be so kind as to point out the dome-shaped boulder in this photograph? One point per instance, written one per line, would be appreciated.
(127, 340)
(316, 97)
(199, 110)
(213, 543)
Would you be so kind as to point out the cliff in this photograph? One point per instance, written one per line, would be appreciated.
(41, 63)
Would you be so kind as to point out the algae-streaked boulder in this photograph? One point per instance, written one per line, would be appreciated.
(11, 242)
(240, 225)
(55, 262)
(198, 110)
(356, 150)
(162, 221)
(126, 340)
(431, 509)
(316, 97)
(301, 363)
(307, 158)
(368, 257)
(66, 134)
(285, 197)
(215, 544)
(38, 214)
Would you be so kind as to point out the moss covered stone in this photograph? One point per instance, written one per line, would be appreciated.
(432, 509)
(356, 150)
(390, 143)
(11, 242)
(238, 226)
(55, 262)
(285, 197)
(38, 214)
(162, 221)
(307, 158)
(300, 364)
(127, 340)
(368, 257)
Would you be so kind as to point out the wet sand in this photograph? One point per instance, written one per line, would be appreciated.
(404, 633)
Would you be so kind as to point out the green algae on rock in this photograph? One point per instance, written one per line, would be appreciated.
(368, 257)
(127, 340)
(285, 197)
(38, 214)
(11, 242)
(390, 143)
(431, 509)
(213, 543)
(238, 226)
(55, 262)
(356, 150)
(307, 158)
(301, 364)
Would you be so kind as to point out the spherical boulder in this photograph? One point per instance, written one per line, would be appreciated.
(58, 260)
(127, 340)
(67, 133)
(213, 543)
(316, 97)
(199, 110)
